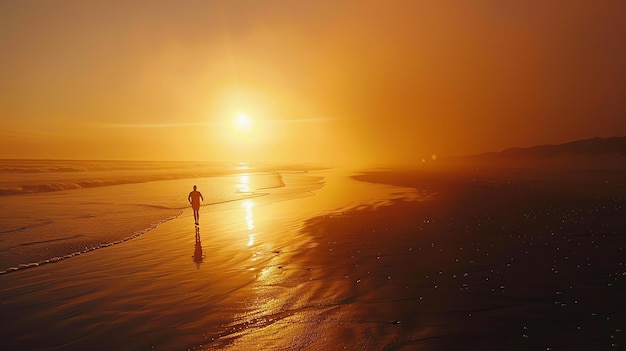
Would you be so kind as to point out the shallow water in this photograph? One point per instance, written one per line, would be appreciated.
(177, 286)
(39, 225)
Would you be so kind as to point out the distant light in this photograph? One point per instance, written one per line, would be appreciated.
(434, 157)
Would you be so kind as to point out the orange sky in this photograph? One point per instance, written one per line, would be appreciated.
(324, 81)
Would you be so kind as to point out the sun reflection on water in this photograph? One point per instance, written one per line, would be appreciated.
(251, 239)
(243, 186)
(242, 166)
(248, 205)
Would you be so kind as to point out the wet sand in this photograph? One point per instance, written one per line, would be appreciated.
(471, 262)
(484, 263)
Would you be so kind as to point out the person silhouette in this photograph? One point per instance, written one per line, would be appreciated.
(194, 199)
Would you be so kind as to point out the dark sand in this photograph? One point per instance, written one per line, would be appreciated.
(489, 260)
(492, 260)
(503, 260)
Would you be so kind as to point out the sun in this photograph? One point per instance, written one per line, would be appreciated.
(242, 123)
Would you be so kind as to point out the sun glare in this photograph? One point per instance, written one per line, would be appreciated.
(242, 123)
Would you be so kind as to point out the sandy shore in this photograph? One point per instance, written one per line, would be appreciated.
(469, 263)
(483, 263)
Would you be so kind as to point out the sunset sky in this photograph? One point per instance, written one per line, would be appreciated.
(320, 81)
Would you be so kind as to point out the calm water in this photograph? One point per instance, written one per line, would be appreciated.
(52, 209)
(175, 287)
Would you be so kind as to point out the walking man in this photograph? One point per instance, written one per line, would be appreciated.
(194, 199)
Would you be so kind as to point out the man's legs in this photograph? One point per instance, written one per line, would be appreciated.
(196, 215)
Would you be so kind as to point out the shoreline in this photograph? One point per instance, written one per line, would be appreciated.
(479, 265)
(49, 227)
(455, 264)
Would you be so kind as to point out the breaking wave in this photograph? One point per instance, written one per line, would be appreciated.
(41, 176)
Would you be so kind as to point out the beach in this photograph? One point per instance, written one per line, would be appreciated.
(312, 175)
(343, 259)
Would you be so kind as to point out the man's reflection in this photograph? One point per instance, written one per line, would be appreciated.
(197, 252)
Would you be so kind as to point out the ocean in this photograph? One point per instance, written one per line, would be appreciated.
(51, 210)
(54, 209)
(105, 255)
